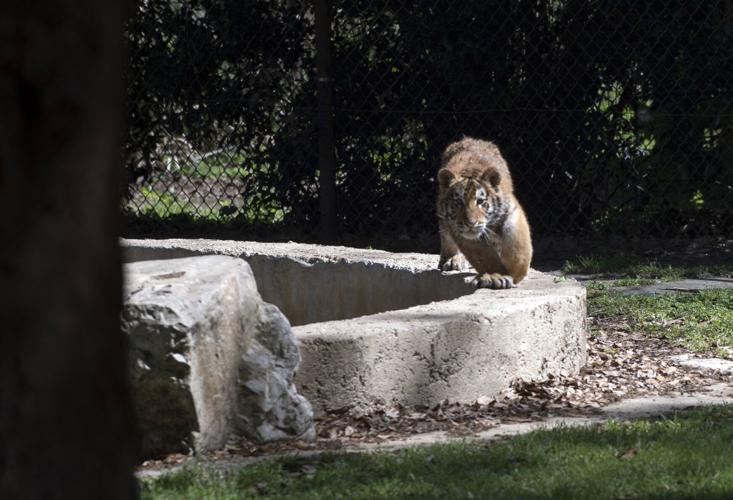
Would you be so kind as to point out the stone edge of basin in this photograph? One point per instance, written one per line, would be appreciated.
(145, 249)
(460, 349)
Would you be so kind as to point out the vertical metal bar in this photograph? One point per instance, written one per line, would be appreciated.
(326, 144)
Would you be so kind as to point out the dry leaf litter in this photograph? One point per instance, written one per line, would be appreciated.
(621, 364)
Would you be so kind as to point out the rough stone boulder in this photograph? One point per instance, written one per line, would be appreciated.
(209, 359)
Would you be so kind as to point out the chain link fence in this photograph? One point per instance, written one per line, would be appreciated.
(615, 116)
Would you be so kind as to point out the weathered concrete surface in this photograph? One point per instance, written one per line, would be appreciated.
(303, 281)
(685, 285)
(717, 365)
(433, 338)
(459, 350)
(717, 394)
(209, 358)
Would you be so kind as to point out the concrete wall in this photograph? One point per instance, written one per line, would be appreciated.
(314, 288)
(459, 350)
(377, 328)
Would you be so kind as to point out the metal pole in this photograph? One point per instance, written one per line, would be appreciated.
(326, 144)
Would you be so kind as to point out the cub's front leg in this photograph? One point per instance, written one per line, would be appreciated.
(484, 257)
(502, 259)
(451, 258)
(495, 281)
(515, 245)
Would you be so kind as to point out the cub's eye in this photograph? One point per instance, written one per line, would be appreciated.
(480, 196)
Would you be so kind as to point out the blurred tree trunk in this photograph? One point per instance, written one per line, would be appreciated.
(66, 421)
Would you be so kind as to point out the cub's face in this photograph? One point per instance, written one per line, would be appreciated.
(471, 207)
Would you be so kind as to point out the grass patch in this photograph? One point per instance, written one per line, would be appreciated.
(700, 321)
(597, 264)
(688, 455)
(629, 267)
(223, 165)
(634, 282)
(162, 204)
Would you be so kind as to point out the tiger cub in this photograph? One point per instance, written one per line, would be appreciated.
(479, 218)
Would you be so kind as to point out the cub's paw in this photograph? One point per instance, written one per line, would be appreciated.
(494, 281)
(455, 263)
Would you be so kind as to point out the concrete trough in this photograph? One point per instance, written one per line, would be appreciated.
(378, 329)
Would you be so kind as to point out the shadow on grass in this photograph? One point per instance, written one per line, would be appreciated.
(687, 455)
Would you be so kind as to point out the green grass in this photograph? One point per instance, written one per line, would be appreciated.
(211, 170)
(634, 282)
(700, 321)
(163, 205)
(222, 167)
(629, 267)
(225, 164)
(688, 455)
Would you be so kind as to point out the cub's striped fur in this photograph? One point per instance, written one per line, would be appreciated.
(479, 218)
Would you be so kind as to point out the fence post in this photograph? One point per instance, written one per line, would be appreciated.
(326, 145)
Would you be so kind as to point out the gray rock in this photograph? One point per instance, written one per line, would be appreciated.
(209, 358)
(266, 379)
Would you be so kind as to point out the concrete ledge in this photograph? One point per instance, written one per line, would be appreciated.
(458, 350)
(377, 328)
(311, 283)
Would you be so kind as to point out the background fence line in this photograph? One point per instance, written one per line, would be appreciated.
(324, 121)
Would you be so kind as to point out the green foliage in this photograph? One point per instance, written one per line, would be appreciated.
(608, 123)
(164, 205)
(634, 282)
(598, 264)
(701, 321)
(215, 93)
(685, 455)
(633, 268)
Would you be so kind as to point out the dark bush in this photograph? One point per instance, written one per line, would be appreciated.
(615, 116)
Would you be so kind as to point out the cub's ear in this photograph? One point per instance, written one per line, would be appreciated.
(445, 177)
(492, 177)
